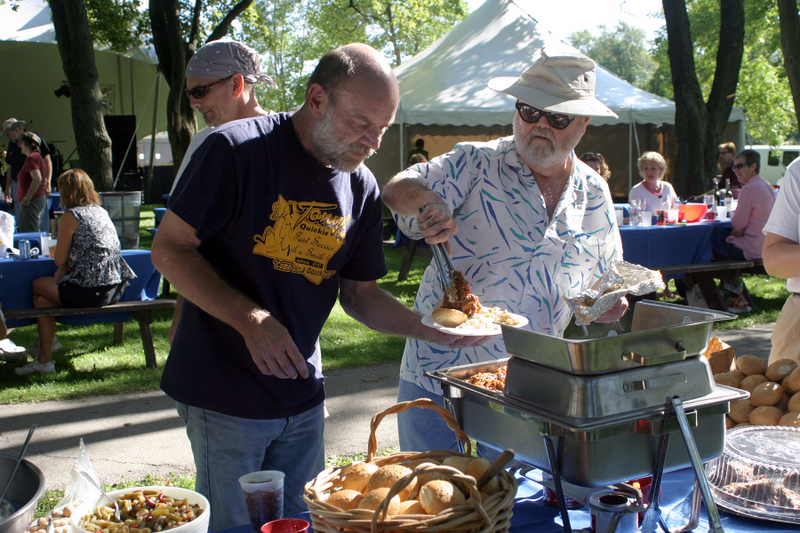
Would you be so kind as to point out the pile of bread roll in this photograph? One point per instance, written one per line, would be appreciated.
(774, 392)
(366, 485)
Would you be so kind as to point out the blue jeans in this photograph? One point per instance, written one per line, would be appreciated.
(227, 447)
(424, 430)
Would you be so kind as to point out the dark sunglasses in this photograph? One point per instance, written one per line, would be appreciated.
(201, 90)
(531, 115)
(739, 166)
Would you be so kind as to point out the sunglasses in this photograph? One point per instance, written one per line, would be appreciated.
(739, 166)
(201, 90)
(531, 115)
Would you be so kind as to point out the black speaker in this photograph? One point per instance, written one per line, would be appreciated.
(122, 131)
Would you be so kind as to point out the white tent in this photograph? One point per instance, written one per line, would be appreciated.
(444, 95)
(33, 71)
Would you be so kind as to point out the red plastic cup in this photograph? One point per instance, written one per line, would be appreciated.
(286, 525)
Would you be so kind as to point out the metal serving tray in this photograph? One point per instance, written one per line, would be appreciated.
(580, 400)
(660, 333)
(592, 452)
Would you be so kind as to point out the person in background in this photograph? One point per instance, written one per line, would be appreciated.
(756, 199)
(32, 188)
(527, 223)
(727, 152)
(220, 83)
(261, 257)
(419, 148)
(91, 271)
(416, 159)
(13, 129)
(597, 163)
(658, 194)
(781, 255)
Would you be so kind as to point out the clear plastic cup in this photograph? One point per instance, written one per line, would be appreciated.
(647, 218)
(263, 496)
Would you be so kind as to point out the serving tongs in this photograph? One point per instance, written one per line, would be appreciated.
(445, 266)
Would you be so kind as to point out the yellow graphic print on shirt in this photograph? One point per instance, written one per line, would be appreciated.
(303, 239)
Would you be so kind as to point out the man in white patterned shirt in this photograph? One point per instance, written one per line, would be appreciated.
(527, 222)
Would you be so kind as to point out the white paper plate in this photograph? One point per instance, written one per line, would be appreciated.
(471, 332)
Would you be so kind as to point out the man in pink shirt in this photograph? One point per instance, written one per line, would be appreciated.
(756, 199)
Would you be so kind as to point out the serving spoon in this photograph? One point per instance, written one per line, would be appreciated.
(98, 487)
(19, 460)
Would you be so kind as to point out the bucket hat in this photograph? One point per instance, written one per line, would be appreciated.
(224, 58)
(10, 124)
(561, 80)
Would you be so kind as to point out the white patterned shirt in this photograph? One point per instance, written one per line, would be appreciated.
(512, 255)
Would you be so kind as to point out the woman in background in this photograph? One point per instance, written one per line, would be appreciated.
(658, 194)
(31, 190)
(598, 163)
(91, 271)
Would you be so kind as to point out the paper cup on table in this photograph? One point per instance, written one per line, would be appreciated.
(263, 496)
(647, 218)
(722, 212)
(620, 213)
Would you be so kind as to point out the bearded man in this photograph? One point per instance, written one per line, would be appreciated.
(275, 217)
(527, 222)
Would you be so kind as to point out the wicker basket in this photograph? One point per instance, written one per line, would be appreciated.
(481, 514)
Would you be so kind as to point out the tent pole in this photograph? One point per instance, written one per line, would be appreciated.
(119, 80)
(149, 184)
(630, 156)
(133, 89)
(402, 145)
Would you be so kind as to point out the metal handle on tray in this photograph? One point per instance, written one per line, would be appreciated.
(665, 381)
(651, 360)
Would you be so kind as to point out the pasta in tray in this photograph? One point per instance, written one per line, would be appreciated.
(142, 512)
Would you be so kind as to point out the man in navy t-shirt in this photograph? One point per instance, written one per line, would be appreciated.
(274, 218)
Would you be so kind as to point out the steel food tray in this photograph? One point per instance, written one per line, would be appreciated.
(582, 399)
(592, 453)
(660, 333)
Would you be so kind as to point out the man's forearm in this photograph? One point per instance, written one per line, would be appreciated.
(405, 194)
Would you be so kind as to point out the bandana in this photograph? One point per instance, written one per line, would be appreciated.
(224, 58)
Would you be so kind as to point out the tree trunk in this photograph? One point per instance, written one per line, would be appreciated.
(699, 125)
(77, 56)
(790, 46)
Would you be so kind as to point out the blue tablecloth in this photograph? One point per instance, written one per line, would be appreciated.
(531, 515)
(658, 246)
(16, 277)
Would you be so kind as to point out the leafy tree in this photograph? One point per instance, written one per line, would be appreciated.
(621, 51)
(790, 44)
(700, 123)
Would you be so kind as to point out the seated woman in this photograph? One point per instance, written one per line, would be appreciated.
(91, 271)
(658, 195)
(598, 164)
(756, 199)
(31, 190)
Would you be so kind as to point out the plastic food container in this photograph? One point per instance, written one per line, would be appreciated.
(198, 525)
(758, 474)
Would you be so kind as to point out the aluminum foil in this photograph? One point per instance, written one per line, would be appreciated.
(620, 279)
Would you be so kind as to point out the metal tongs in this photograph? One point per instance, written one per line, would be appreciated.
(443, 263)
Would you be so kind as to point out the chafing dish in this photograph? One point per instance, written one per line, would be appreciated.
(591, 451)
(26, 488)
(660, 333)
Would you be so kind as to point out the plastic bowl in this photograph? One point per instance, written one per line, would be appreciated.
(692, 212)
(286, 525)
(198, 525)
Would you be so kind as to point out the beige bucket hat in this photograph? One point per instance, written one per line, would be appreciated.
(561, 80)
(10, 124)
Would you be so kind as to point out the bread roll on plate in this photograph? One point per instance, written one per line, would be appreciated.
(438, 495)
(449, 318)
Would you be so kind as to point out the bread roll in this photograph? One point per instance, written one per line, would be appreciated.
(750, 382)
(780, 369)
(752, 365)
(356, 475)
(791, 419)
(740, 411)
(768, 393)
(387, 475)
(783, 403)
(792, 381)
(794, 402)
(411, 507)
(765, 415)
(476, 469)
(428, 476)
(438, 495)
(729, 423)
(346, 499)
(373, 499)
(458, 462)
(731, 379)
(449, 318)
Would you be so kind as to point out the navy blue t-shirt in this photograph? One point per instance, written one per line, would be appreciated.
(282, 228)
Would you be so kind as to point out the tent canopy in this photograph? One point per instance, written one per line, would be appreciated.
(446, 84)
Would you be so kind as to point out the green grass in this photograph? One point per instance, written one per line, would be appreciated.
(90, 365)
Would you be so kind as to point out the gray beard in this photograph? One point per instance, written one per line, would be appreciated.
(543, 154)
(332, 152)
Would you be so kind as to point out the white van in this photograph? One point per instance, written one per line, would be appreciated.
(774, 160)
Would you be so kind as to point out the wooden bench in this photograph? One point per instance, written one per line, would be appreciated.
(706, 274)
(140, 310)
